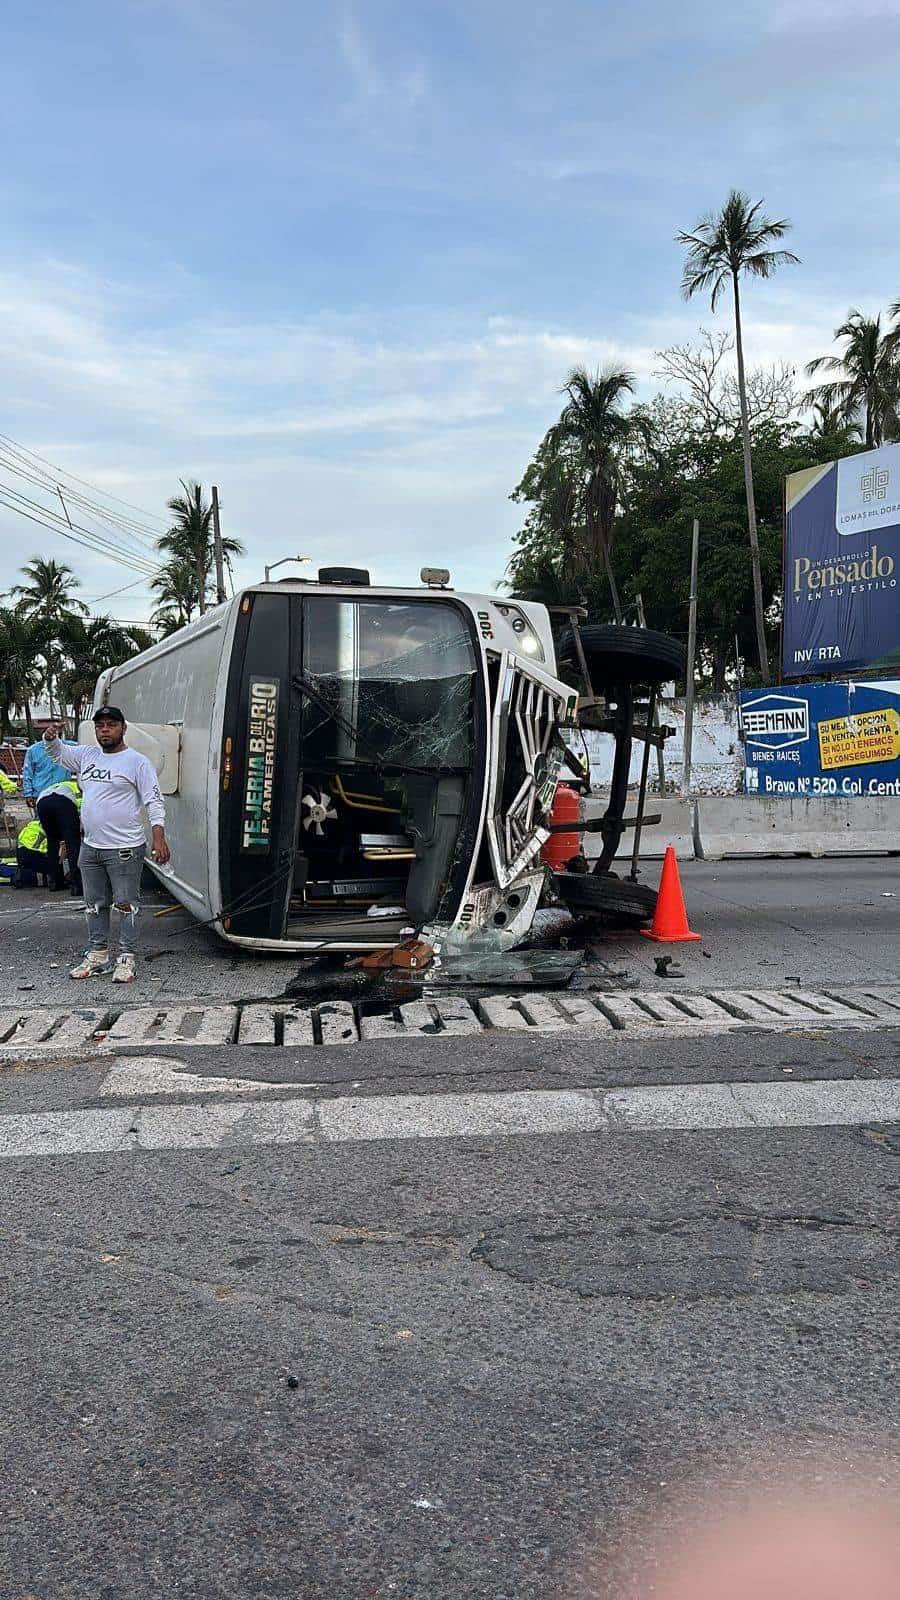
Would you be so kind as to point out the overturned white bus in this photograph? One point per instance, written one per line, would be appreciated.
(343, 762)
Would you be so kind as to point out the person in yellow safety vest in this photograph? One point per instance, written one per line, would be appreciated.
(8, 785)
(31, 856)
(59, 814)
(35, 853)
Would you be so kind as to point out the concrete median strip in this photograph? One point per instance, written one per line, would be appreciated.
(280, 1025)
(776, 825)
(652, 1108)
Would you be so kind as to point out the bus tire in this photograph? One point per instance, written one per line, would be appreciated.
(593, 894)
(617, 654)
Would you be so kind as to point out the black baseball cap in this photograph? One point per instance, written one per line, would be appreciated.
(110, 714)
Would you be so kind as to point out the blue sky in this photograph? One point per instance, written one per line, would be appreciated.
(339, 258)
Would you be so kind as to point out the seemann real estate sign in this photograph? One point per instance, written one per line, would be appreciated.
(842, 565)
(840, 739)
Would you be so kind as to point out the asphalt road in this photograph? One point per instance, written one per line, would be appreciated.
(434, 1366)
(763, 923)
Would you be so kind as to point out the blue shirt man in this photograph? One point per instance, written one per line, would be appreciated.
(39, 771)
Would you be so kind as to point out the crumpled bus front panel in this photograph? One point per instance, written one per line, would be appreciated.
(525, 754)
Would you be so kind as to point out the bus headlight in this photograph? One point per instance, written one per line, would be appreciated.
(527, 637)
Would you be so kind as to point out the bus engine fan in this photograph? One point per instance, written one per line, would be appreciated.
(319, 809)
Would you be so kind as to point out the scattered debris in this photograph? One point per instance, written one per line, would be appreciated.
(292, 1382)
(506, 969)
(665, 967)
(412, 955)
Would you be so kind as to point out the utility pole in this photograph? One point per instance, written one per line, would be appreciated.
(691, 652)
(660, 762)
(217, 546)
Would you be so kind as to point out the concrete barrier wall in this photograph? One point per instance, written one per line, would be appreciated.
(712, 829)
(756, 825)
(677, 828)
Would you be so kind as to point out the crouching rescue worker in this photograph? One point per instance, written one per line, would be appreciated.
(58, 811)
(32, 866)
(116, 783)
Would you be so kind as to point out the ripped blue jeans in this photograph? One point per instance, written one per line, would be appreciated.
(112, 878)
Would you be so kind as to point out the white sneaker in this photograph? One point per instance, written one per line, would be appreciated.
(125, 969)
(93, 964)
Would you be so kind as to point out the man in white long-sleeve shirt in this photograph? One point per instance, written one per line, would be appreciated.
(118, 785)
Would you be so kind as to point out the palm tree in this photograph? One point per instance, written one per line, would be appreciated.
(22, 639)
(49, 594)
(91, 648)
(176, 590)
(724, 247)
(138, 637)
(537, 577)
(189, 541)
(598, 435)
(869, 381)
(828, 420)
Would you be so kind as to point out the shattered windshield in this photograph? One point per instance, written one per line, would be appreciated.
(387, 682)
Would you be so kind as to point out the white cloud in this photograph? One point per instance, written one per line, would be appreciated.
(358, 57)
(407, 86)
(368, 439)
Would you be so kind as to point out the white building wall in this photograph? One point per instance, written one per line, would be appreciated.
(716, 764)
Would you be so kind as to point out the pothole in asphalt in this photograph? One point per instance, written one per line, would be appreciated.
(694, 1257)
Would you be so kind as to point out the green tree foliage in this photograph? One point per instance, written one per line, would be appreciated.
(89, 648)
(49, 595)
(701, 475)
(175, 586)
(575, 486)
(689, 463)
(723, 248)
(588, 448)
(49, 645)
(867, 381)
(23, 640)
(183, 583)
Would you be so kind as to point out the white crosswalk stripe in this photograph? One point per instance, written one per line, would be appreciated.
(133, 1129)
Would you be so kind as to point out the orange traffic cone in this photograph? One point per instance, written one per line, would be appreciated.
(670, 923)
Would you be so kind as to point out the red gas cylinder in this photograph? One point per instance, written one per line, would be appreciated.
(561, 847)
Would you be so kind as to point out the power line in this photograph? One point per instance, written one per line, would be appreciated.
(93, 541)
(131, 522)
(143, 518)
(41, 480)
(111, 593)
(99, 541)
(87, 507)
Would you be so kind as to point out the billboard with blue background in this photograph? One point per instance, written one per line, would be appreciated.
(842, 565)
(839, 739)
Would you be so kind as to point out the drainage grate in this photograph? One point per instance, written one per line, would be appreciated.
(336, 1022)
